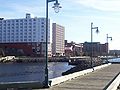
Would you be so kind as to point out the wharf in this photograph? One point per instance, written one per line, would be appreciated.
(101, 79)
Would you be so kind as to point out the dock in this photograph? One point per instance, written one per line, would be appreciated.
(107, 78)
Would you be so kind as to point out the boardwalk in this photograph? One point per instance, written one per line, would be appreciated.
(96, 80)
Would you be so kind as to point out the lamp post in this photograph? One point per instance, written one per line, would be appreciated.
(92, 42)
(107, 45)
(56, 8)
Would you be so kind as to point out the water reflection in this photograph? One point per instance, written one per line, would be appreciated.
(19, 72)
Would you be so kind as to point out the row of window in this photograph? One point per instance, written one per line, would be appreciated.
(22, 20)
(21, 24)
(16, 40)
(20, 40)
(21, 28)
(21, 33)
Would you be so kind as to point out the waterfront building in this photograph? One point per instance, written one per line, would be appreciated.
(58, 36)
(24, 36)
(73, 49)
(114, 53)
(98, 49)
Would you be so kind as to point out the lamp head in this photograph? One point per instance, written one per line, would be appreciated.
(111, 38)
(56, 7)
(97, 31)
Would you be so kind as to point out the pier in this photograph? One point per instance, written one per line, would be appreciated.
(106, 78)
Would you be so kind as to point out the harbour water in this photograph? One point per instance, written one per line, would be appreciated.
(115, 60)
(20, 72)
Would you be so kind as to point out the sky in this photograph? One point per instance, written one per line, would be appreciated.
(75, 15)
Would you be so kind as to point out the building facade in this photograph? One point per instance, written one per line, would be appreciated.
(25, 36)
(95, 48)
(58, 36)
(73, 49)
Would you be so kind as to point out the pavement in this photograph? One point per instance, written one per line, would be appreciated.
(96, 80)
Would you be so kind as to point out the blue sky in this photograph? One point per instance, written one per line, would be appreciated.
(75, 15)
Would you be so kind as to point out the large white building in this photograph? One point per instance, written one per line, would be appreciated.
(58, 37)
(26, 35)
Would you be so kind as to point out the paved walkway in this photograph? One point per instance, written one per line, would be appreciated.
(96, 80)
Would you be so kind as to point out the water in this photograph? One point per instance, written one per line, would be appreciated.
(114, 60)
(20, 72)
(56, 69)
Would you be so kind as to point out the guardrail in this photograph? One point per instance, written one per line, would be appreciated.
(114, 83)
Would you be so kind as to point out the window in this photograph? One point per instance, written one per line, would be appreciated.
(12, 30)
(25, 36)
(30, 20)
(17, 24)
(25, 26)
(25, 23)
(30, 23)
(21, 24)
(30, 33)
(25, 33)
(33, 32)
(25, 20)
(42, 26)
(29, 39)
(8, 27)
(21, 37)
(42, 32)
(29, 26)
(8, 24)
(33, 39)
(17, 30)
(25, 39)
(13, 24)
(4, 24)
(12, 40)
(21, 20)
(34, 23)
(21, 27)
(34, 29)
(8, 33)
(12, 21)
(16, 20)
(8, 37)
(42, 40)
(42, 23)
(4, 21)
(17, 37)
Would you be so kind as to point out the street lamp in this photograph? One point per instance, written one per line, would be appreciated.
(107, 45)
(56, 8)
(97, 31)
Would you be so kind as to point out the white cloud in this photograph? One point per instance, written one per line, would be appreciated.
(104, 5)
